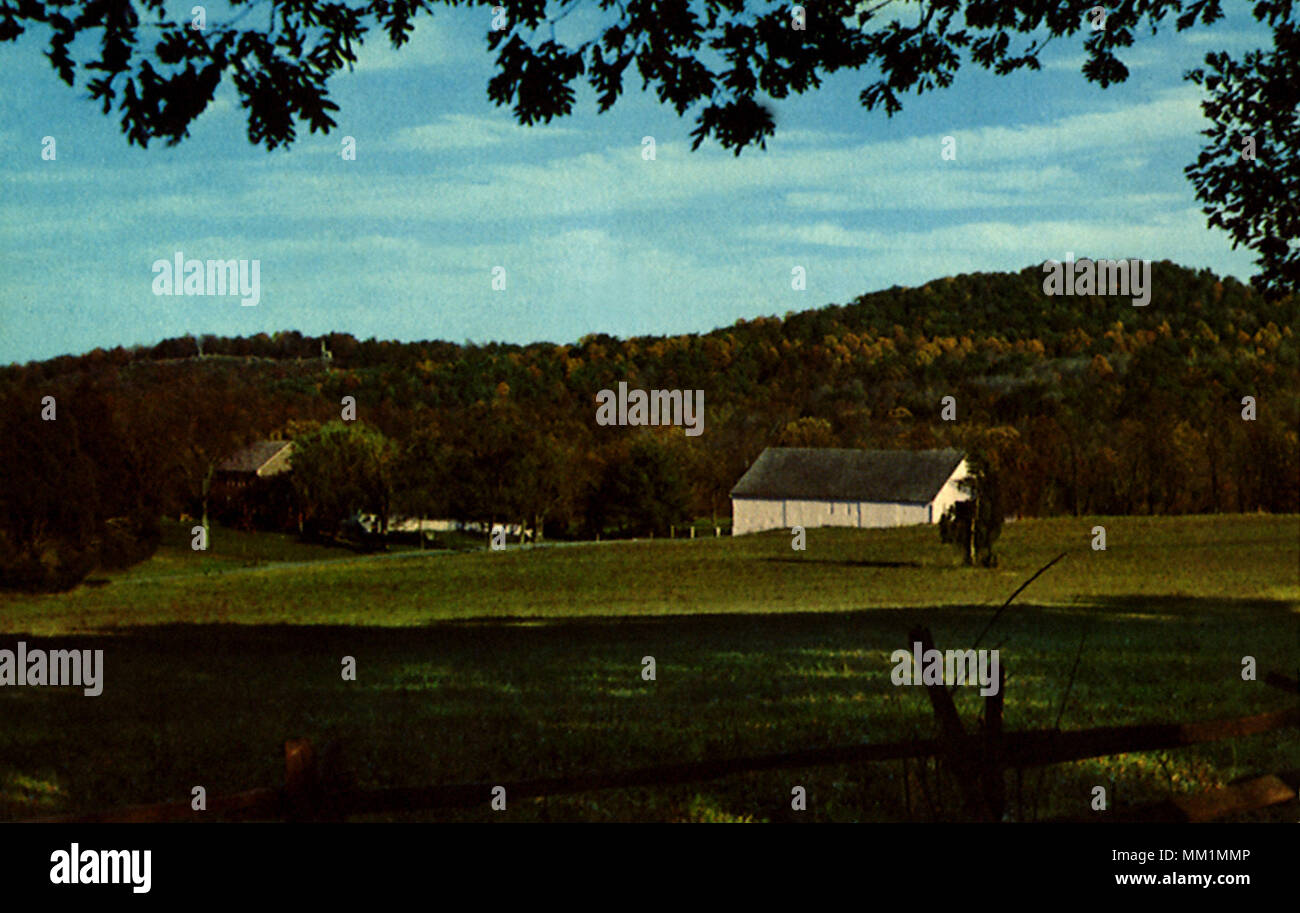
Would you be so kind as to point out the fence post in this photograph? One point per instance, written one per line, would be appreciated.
(301, 780)
(952, 738)
(995, 786)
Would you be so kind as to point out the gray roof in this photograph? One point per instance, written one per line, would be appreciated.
(253, 457)
(833, 474)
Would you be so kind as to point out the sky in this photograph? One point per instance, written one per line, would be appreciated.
(403, 242)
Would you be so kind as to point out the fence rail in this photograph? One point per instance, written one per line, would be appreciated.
(977, 761)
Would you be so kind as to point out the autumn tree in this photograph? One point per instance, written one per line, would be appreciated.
(554, 470)
(209, 415)
(808, 431)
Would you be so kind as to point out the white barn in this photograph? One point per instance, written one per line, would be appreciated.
(815, 486)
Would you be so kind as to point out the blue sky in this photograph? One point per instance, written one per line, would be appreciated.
(401, 242)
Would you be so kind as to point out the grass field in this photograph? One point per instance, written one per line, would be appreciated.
(502, 666)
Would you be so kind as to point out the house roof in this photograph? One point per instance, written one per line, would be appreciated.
(834, 474)
(255, 457)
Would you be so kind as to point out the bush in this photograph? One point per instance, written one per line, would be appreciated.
(128, 540)
(50, 564)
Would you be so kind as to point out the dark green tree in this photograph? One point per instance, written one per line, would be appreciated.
(73, 498)
(486, 475)
(51, 521)
(974, 524)
(341, 469)
(422, 476)
(1248, 176)
(642, 491)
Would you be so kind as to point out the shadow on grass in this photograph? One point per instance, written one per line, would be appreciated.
(875, 628)
(843, 563)
(513, 698)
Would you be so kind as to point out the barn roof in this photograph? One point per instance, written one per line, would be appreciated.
(834, 474)
(254, 457)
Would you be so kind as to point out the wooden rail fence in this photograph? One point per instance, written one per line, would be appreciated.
(978, 762)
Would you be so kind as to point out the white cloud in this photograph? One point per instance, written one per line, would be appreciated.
(1141, 56)
(995, 167)
(472, 131)
(1228, 39)
(1180, 235)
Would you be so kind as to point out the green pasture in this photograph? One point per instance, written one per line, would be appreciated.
(493, 667)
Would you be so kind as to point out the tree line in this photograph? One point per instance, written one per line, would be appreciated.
(1082, 405)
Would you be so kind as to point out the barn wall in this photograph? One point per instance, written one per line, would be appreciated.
(882, 514)
(752, 515)
(810, 514)
(862, 514)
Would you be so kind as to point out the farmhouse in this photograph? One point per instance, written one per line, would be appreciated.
(252, 488)
(811, 486)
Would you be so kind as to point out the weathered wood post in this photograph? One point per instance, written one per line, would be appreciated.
(953, 742)
(301, 780)
(317, 785)
(995, 786)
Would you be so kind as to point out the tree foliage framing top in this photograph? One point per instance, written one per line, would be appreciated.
(721, 58)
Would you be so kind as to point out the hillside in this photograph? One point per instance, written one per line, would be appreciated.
(1087, 404)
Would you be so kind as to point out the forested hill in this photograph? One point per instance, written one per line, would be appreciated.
(1009, 306)
(1089, 404)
